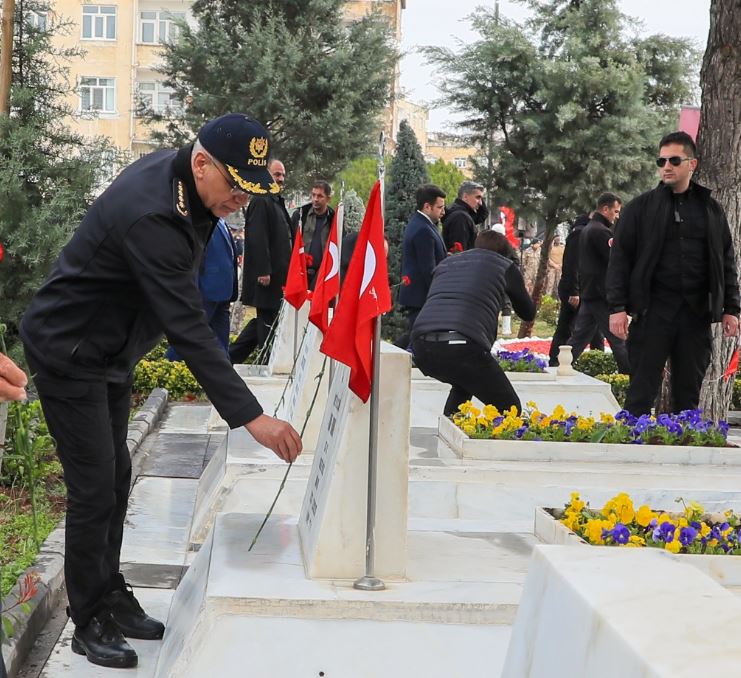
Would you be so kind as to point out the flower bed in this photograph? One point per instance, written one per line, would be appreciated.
(685, 428)
(520, 361)
(487, 434)
(701, 539)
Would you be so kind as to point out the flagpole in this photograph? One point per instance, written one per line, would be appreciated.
(369, 582)
(299, 227)
(340, 227)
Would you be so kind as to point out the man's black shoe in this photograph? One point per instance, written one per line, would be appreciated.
(131, 619)
(103, 643)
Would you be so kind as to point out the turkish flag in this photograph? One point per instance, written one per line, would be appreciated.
(296, 291)
(507, 217)
(327, 284)
(365, 296)
(732, 366)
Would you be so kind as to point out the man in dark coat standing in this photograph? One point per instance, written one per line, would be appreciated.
(315, 219)
(568, 294)
(421, 251)
(267, 252)
(461, 218)
(594, 253)
(673, 269)
(126, 277)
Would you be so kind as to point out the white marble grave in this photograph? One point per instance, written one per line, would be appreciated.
(290, 322)
(726, 570)
(621, 613)
(237, 611)
(579, 393)
(332, 521)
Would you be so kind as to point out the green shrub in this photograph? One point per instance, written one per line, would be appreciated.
(174, 376)
(595, 363)
(158, 352)
(736, 400)
(549, 309)
(45, 462)
(618, 383)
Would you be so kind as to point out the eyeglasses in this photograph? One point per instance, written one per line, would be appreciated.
(235, 190)
(675, 161)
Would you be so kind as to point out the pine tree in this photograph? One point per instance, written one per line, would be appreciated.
(317, 82)
(48, 174)
(407, 172)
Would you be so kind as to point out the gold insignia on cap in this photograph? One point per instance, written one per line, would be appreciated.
(246, 186)
(259, 147)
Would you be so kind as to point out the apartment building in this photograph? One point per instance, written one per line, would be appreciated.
(122, 40)
(451, 148)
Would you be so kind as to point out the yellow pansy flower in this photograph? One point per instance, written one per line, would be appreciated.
(576, 503)
(645, 515)
(593, 530)
(490, 412)
(673, 546)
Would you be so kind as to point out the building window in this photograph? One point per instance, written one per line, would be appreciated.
(99, 22)
(98, 95)
(38, 20)
(156, 28)
(157, 97)
(461, 163)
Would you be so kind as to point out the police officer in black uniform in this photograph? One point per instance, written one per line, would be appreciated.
(126, 277)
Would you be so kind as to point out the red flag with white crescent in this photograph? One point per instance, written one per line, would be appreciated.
(296, 291)
(327, 284)
(732, 365)
(365, 296)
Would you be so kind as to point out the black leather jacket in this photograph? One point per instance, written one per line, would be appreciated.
(639, 238)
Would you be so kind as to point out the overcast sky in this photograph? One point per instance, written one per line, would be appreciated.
(440, 22)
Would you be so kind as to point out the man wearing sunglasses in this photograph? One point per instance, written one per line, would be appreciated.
(127, 276)
(672, 269)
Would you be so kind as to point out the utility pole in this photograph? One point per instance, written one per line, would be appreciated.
(6, 55)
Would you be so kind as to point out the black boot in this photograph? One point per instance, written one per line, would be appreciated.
(103, 643)
(129, 616)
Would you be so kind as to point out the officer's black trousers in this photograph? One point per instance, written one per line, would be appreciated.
(687, 340)
(89, 423)
(471, 371)
(564, 328)
(253, 336)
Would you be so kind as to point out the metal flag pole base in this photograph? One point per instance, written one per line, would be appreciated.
(368, 583)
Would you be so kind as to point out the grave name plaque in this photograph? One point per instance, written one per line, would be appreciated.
(333, 515)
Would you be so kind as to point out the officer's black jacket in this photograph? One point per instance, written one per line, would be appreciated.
(128, 275)
(639, 239)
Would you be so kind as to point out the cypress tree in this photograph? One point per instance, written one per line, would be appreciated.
(407, 172)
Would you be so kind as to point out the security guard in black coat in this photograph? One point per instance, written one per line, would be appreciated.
(126, 277)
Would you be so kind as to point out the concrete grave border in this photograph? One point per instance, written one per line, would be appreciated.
(726, 570)
(541, 450)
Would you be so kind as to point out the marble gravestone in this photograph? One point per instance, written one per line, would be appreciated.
(282, 353)
(621, 613)
(332, 522)
(306, 394)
